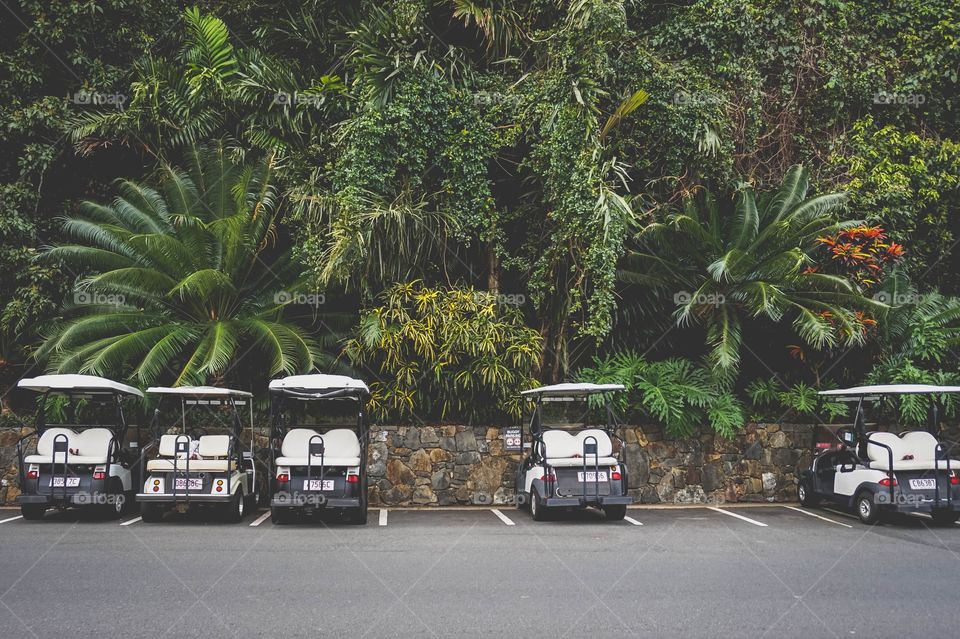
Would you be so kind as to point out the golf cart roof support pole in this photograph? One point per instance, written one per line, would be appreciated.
(41, 420)
(933, 416)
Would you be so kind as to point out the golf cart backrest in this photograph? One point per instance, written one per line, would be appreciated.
(45, 443)
(337, 443)
(91, 446)
(920, 444)
(877, 453)
(915, 445)
(214, 446)
(562, 444)
(168, 445)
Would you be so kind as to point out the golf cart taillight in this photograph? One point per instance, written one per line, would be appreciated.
(548, 478)
(616, 476)
(283, 477)
(954, 480)
(353, 479)
(99, 474)
(33, 474)
(887, 482)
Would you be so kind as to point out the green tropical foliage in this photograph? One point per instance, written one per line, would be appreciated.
(441, 352)
(726, 263)
(179, 283)
(675, 392)
(599, 159)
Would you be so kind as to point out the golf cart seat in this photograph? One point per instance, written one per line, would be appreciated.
(341, 448)
(565, 449)
(915, 450)
(92, 446)
(213, 451)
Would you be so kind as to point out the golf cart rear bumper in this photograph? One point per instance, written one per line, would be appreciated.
(310, 500)
(583, 502)
(182, 499)
(76, 499)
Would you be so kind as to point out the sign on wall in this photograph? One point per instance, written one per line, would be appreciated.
(511, 439)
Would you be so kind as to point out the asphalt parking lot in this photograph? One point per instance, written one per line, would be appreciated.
(772, 571)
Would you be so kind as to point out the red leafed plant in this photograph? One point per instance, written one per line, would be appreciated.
(859, 253)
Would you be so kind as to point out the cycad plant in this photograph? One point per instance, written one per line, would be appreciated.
(181, 282)
(726, 262)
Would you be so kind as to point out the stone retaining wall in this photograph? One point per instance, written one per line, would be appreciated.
(451, 464)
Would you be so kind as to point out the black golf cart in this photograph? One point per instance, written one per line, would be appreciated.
(318, 444)
(206, 466)
(80, 459)
(874, 472)
(572, 465)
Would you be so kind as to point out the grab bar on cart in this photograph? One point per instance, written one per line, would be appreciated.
(177, 449)
(315, 448)
(60, 445)
(591, 448)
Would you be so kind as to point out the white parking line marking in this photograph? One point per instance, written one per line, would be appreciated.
(807, 512)
(733, 514)
(132, 521)
(259, 520)
(503, 518)
(11, 519)
(383, 516)
(633, 521)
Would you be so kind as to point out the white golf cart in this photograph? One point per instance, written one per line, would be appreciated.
(195, 467)
(318, 444)
(80, 461)
(571, 465)
(874, 472)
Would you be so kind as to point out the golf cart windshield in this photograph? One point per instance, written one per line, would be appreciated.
(567, 406)
(202, 410)
(79, 402)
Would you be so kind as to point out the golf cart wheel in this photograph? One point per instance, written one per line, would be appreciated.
(867, 510)
(33, 511)
(113, 509)
(280, 515)
(537, 509)
(236, 509)
(252, 502)
(523, 501)
(615, 512)
(358, 516)
(150, 513)
(944, 517)
(805, 496)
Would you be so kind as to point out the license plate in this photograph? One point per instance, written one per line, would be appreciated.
(923, 484)
(57, 482)
(318, 484)
(581, 476)
(188, 484)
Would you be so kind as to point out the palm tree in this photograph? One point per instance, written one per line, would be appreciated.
(724, 266)
(182, 283)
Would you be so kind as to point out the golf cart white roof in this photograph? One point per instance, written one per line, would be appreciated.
(76, 383)
(891, 389)
(318, 382)
(197, 391)
(571, 389)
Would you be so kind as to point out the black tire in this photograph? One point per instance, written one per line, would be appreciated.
(33, 512)
(615, 512)
(944, 517)
(523, 501)
(866, 507)
(150, 513)
(280, 515)
(357, 516)
(538, 511)
(236, 510)
(118, 502)
(805, 495)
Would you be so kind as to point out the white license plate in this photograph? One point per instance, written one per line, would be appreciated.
(923, 484)
(318, 484)
(188, 484)
(581, 476)
(57, 482)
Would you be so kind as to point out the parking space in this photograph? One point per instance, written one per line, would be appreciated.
(484, 571)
